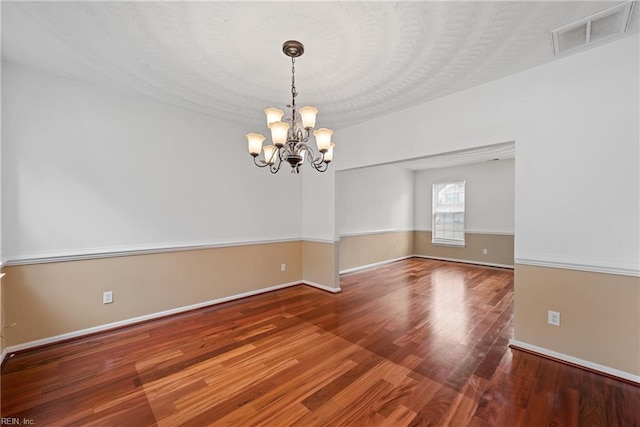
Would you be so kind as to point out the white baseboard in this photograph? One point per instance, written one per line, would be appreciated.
(134, 320)
(3, 355)
(323, 287)
(464, 261)
(574, 360)
(375, 264)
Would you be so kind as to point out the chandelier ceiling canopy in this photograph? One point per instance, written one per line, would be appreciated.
(290, 137)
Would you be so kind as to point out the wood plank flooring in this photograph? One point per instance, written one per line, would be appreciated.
(416, 342)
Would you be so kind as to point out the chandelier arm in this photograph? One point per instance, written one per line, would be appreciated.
(275, 167)
(273, 157)
(303, 135)
(255, 160)
(318, 163)
(321, 167)
(302, 146)
(315, 161)
(321, 159)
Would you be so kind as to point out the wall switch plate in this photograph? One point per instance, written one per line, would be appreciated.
(107, 297)
(283, 267)
(554, 318)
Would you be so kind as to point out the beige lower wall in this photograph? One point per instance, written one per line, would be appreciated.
(358, 251)
(599, 314)
(320, 263)
(45, 300)
(499, 248)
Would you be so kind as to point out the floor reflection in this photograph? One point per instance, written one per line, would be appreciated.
(449, 305)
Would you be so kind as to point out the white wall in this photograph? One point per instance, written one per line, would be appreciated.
(318, 204)
(489, 195)
(2, 259)
(374, 199)
(85, 170)
(576, 126)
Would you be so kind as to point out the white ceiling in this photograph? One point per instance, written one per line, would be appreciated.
(362, 59)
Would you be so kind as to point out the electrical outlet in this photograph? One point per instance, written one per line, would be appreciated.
(397, 246)
(107, 297)
(554, 318)
(283, 267)
(484, 251)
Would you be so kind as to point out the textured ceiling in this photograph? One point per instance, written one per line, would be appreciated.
(362, 59)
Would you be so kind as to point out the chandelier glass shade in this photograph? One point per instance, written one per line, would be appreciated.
(290, 137)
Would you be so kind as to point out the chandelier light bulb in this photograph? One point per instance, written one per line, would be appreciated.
(255, 143)
(308, 116)
(323, 139)
(273, 115)
(328, 156)
(279, 132)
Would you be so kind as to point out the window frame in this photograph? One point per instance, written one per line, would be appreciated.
(436, 208)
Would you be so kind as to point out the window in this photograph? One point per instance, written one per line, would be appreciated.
(448, 213)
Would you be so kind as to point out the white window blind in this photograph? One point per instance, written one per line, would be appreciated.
(448, 213)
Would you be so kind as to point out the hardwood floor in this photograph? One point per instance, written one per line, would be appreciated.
(416, 342)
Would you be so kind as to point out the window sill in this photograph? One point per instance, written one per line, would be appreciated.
(448, 243)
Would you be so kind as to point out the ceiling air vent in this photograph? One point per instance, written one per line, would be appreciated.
(592, 29)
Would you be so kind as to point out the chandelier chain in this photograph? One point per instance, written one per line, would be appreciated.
(294, 91)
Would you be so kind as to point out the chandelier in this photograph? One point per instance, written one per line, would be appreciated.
(290, 138)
